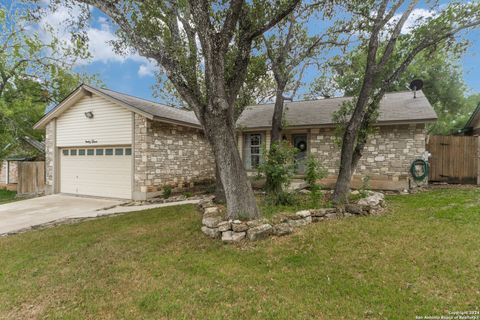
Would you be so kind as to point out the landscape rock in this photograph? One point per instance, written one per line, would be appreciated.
(331, 215)
(211, 232)
(256, 223)
(282, 229)
(230, 236)
(300, 222)
(210, 211)
(373, 200)
(239, 226)
(211, 222)
(304, 191)
(224, 226)
(259, 232)
(354, 209)
(303, 214)
(321, 212)
(279, 218)
(355, 192)
(317, 219)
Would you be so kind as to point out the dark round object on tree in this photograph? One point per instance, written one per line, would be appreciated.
(416, 84)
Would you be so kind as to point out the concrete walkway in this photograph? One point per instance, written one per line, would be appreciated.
(26, 214)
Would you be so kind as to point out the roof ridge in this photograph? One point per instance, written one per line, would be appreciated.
(324, 99)
(139, 98)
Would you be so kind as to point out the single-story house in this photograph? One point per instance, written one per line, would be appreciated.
(472, 127)
(103, 143)
(27, 149)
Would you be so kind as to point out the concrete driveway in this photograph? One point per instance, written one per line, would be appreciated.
(25, 214)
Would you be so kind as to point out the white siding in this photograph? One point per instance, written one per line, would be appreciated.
(111, 124)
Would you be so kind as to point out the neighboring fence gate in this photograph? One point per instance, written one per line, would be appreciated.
(31, 177)
(455, 159)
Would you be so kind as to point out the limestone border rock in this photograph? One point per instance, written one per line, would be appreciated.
(215, 226)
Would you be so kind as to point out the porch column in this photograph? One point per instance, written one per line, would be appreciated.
(268, 139)
(240, 144)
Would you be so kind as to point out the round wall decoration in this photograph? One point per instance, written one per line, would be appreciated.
(301, 145)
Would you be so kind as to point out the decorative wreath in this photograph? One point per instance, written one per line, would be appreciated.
(302, 146)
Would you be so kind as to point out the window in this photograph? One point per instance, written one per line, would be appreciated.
(99, 152)
(65, 152)
(73, 152)
(81, 152)
(128, 151)
(252, 152)
(119, 152)
(109, 152)
(90, 152)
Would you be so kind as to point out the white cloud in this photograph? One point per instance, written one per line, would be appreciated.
(146, 70)
(417, 17)
(99, 38)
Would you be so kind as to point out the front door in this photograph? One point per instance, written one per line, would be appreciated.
(300, 142)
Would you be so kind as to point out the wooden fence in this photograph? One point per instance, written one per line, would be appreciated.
(455, 159)
(31, 177)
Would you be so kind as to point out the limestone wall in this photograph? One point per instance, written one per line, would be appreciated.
(387, 156)
(170, 155)
(12, 168)
(50, 147)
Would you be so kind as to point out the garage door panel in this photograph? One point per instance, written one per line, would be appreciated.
(96, 175)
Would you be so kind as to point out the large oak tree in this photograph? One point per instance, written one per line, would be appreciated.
(389, 52)
(204, 49)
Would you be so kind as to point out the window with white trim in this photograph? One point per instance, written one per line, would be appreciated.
(252, 150)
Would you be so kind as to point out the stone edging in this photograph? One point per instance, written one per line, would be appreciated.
(230, 231)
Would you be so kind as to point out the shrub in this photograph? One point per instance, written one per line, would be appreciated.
(278, 166)
(314, 172)
(282, 198)
(167, 192)
(365, 186)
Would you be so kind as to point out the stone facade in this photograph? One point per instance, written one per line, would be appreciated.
(387, 156)
(169, 155)
(50, 147)
(386, 159)
(12, 168)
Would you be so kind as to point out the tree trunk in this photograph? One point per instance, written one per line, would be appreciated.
(241, 202)
(219, 191)
(342, 187)
(277, 119)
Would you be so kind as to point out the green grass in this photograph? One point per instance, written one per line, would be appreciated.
(421, 258)
(302, 202)
(7, 196)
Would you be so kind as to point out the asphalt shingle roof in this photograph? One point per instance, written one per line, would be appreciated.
(153, 108)
(395, 107)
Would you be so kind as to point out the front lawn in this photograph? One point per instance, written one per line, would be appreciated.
(7, 196)
(422, 258)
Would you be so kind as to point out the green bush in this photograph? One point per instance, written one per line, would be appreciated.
(167, 192)
(278, 166)
(282, 198)
(364, 190)
(314, 172)
(187, 194)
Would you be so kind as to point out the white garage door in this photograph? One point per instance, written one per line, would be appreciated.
(102, 172)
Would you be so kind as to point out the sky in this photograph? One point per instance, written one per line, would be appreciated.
(133, 74)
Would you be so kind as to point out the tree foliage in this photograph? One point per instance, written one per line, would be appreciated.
(380, 26)
(204, 49)
(440, 71)
(35, 71)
